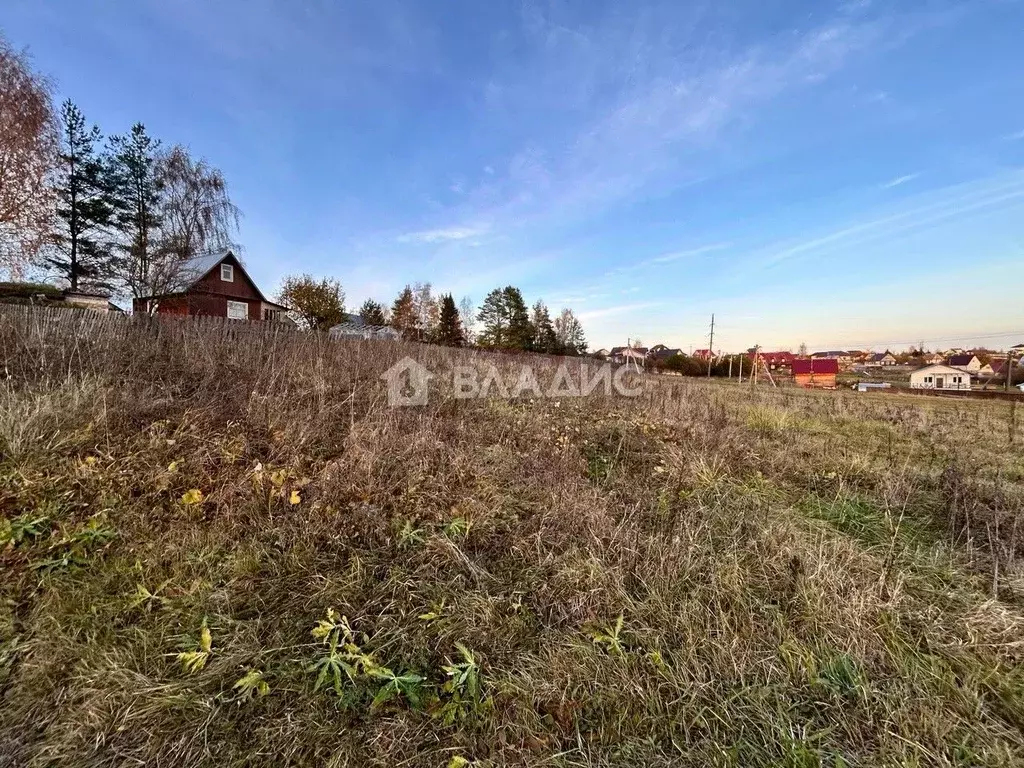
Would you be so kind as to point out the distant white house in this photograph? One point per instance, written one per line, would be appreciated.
(940, 377)
(966, 362)
(880, 360)
(353, 327)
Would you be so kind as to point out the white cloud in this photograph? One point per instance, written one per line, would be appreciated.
(1019, 135)
(677, 255)
(899, 180)
(450, 234)
(636, 101)
(620, 309)
(963, 200)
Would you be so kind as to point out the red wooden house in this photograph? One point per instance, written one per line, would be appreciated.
(816, 372)
(215, 285)
(777, 360)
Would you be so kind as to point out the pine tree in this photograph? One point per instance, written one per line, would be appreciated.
(372, 313)
(520, 330)
(505, 320)
(403, 314)
(135, 186)
(449, 326)
(493, 318)
(543, 330)
(80, 251)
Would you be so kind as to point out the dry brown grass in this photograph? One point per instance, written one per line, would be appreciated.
(803, 579)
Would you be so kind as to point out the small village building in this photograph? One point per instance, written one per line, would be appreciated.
(213, 285)
(777, 361)
(944, 377)
(816, 373)
(842, 357)
(353, 327)
(623, 355)
(659, 353)
(880, 360)
(966, 361)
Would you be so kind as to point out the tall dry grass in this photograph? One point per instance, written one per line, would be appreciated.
(702, 575)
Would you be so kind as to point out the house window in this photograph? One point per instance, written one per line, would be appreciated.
(238, 310)
(927, 379)
(227, 273)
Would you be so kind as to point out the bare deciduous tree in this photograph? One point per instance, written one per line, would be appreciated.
(28, 142)
(196, 216)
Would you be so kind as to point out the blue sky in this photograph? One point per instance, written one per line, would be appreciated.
(845, 174)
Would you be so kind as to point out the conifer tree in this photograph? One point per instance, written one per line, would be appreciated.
(520, 330)
(543, 330)
(80, 250)
(403, 314)
(372, 313)
(135, 185)
(449, 326)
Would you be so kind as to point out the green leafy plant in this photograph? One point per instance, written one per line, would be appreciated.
(143, 597)
(23, 528)
(194, 661)
(462, 691)
(347, 668)
(252, 685)
(609, 638)
(435, 612)
(406, 685)
(345, 659)
(410, 535)
(458, 528)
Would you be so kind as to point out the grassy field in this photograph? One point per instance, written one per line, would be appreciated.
(220, 549)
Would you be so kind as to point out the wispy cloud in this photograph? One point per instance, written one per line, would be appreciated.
(900, 180)
(1018, 136)
(434, 236)
(620, 309)
(677, 255)
(960, 201)
(649, 98)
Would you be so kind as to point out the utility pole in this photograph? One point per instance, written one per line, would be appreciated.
(1009, 370)
(753, 365)
(740, 380)
(711, 344)
(730, 367)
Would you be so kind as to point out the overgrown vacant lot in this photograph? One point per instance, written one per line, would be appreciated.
(229, 551)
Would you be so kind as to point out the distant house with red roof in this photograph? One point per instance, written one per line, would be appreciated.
(777, 360)
(702, 354)
(816, 372)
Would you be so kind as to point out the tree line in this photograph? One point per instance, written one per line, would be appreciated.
(125, 214)
(118, 213)
(502, 322)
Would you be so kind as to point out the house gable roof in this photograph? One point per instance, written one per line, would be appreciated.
(824, 365)
(961, 359)
(940, 369)
(193, 271)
